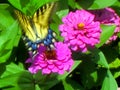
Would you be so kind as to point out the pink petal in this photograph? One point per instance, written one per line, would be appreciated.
(46, 71)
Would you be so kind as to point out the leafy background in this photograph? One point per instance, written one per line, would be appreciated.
(98, 69)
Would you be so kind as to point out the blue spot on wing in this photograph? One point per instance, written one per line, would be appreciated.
(49, 36)
(50, 31)
(39, 41)
(47, 41)
(29, 43)
(34, 46)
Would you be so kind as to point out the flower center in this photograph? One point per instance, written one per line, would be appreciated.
(81, 26)
(51, 54)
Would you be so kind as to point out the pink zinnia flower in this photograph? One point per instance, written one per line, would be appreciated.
(108, 16)
(56, 60)
(80, 31)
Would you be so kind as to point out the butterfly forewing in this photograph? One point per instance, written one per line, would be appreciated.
(36, 28)
(26, 25)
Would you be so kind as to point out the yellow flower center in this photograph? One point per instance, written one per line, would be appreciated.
(81, 26)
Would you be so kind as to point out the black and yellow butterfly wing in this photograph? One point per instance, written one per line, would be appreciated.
(35, 28)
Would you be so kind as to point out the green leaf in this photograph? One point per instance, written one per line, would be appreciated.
(102, 3)
(87, 73)
(9, 36)
(8, 42)
(3, 6)
(115, 63)
(107, 32)
(12, 69)
(94, 4)
(6, 19)
(62, 13)
(71, 85)
(99, 58)
(116, 72)
(37, 87)
(94, 75)
(109, 82)
(10, 80)
(112, 56)
(71, 3)
(26, 81)
(101, 75)
(18, 81)
(29, 7)
(62, 4)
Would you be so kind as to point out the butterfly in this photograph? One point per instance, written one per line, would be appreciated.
(36, 30)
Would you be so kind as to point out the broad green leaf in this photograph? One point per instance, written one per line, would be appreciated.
(115, 63)
(62, 4)
(99, 58)
(11, 88)
(111, 53)
(94, 75)
(26, 81)
(37, 87)
(87, 72)
(102, 3)
(21, 65)
(42, 79)
(109, 82)
(116, 72)
(57, 20)
(8, 40)
(76, 63)
(94, 4)
(4, 55)
(6, 19)
(18, 36)
(19, 81)
(29, 6)
(9, 34)
(71, 3)
(118, 35)
(10, 80)
(71, 85)
(116, 7)
(12, 69)
(107, 32)
(62, 13)
(101, 75)
(4, 6)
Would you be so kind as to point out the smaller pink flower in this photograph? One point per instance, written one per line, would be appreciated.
(108, 16)
(56, 60)
(80, 31)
